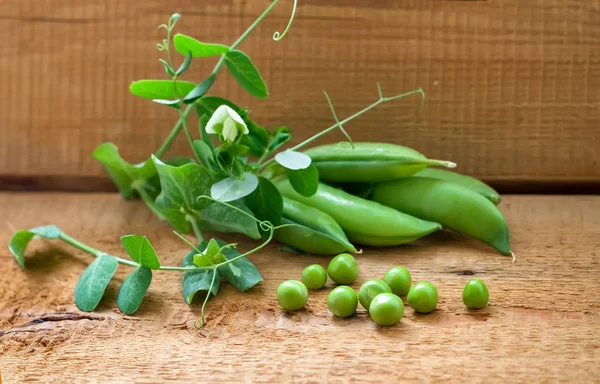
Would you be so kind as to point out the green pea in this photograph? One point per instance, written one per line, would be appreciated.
(342, 301)
(423, 297)
(399, 280)
(369, 290)
(314, 276)
(292, 295)
(386, 309)
(343, 269)
(475, 295)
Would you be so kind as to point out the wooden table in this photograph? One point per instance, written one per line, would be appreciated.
(542, 324)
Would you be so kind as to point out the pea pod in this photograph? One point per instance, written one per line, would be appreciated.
(464, 180)
(365, 222)
(309, 240)
(368, 162)
(452, 205)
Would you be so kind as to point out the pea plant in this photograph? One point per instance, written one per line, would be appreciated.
(226, 188)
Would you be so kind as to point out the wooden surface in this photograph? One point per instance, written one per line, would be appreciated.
(512, 86)
(541, 324)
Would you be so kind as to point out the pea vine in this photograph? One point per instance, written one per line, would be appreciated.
(226, 187)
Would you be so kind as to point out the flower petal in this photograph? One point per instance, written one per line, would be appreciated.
(217, 117)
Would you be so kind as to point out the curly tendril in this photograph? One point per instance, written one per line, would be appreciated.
(278, 36)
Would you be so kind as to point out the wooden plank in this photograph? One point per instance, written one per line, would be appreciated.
(512, 86)
(541, 324)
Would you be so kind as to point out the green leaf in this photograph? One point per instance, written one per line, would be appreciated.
(168, 68)
(209, 104)
(245, 73)
(140, 250)
(184, 44)
(181, 187)
(185, 65)
(305, 181)
(92, 283)
(197, 281)
(266, 202)
(281, 136)
(161, 89)
(21, 239)
(133, 290)
(293, 160)
(256, 140)
(126, 176)
(169, 103)
(230, 189)
(201, 260)
(221, 218)
(243, 275)
(199, 90)
(204, 153)
(202, 120)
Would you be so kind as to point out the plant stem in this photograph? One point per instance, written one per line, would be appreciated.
(93, 251)
(251, 27)
(149, 202)
(174, 132)
(186, 130)
(197, 230)
(354, 116)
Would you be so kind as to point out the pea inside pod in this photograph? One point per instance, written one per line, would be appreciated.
(452, 205)
(368, 162)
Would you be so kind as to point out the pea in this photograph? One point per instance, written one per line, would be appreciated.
(343, 269)
(314, 276)
(342, 301)
(399, 280)
(386, 309)
(292, 295)
(475, 295)
(369, 290)
(423, 297)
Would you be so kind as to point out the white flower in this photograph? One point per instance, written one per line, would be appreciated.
(227, 123)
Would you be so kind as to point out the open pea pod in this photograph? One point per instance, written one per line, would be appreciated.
(368, 162)
(452, 205)
(310, 240)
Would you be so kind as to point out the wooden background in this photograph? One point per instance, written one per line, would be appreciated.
(513, 86)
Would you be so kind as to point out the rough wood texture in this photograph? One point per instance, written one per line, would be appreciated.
(512, 85)
(541, 324)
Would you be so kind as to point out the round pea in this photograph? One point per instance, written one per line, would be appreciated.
(369, 290)
(343, 269)
(386, 309)
(399, 280)
(342, 301)
(475, 295)
(292, 295)
(423, 297)
(314, 276)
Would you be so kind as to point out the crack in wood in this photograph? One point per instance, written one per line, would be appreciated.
(55, 317)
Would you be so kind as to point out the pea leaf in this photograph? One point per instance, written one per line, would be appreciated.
(221, 218)
(199, 90)
(243, 275)
(266, 202)
(140, 250)
(230, 189)
(281, 136)
(181, 187)
(256, 140)
(305, 181)
(184, 44)
(204, 153)
(133, 290)
(197, 281)
(21, 239)
(92, 283)
(125, 176)
(161, 89)
(245, 73)
(168, 68)
(293, 160)
(202, 121)
(186, 64)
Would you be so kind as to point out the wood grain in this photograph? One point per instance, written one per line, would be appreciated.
(541, 324)
(512, 86)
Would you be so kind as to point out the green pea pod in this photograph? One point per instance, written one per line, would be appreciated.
(361, 219)
(317, 220)
(368, 162)
(309, 240)
(452, 205)
(464, 180)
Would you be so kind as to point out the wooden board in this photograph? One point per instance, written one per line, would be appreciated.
(541, 324)
(512, 86)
